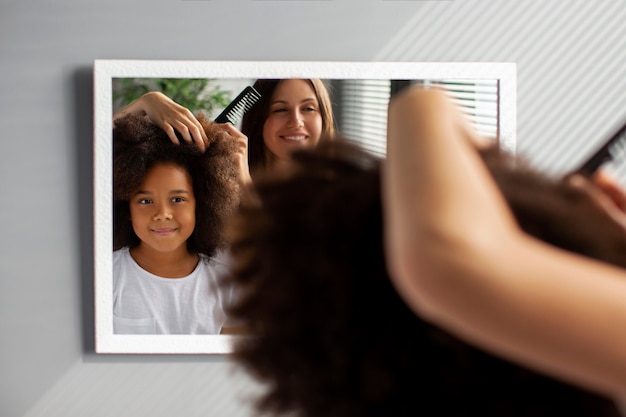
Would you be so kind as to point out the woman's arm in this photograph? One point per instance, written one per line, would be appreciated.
(458, 258)
(168, 115)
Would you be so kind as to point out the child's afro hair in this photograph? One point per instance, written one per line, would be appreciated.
(138, 144)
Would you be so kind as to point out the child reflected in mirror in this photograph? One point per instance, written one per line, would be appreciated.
(170, 206)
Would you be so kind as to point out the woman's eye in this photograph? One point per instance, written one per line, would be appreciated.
(310, 109)
(178, 199)
(279, 110)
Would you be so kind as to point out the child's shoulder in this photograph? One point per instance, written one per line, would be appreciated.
(120, 254)
(122, 251)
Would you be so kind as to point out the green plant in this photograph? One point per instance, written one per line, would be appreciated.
(197, 94)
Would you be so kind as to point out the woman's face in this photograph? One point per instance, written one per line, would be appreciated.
(294, 119)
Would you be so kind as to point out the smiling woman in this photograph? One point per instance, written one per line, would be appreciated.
(292, 113)
(325, 103)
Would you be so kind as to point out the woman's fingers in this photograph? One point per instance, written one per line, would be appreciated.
(172, 117)
(606, 193)
(188, 130)
(611, 187)
(242, 141)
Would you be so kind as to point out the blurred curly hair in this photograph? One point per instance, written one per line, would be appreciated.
(138, 145)
(331, 337)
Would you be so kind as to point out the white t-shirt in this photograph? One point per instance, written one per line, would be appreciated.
(144, 303)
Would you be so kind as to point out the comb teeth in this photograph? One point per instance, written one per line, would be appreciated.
(241, 104)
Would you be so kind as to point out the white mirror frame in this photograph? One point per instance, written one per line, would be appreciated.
(107, 70)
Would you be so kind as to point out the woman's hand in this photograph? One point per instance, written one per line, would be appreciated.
(611, 188)
(605, 191)
(169, 116)
(242, 153)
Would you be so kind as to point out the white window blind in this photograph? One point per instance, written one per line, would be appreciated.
(364, 113)
(363, 116)
(478, 99)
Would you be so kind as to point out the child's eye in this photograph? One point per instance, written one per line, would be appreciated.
(144, 201)
(178, 199)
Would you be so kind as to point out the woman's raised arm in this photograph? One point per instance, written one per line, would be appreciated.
(458, 258)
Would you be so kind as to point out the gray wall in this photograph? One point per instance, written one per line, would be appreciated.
(570, 57)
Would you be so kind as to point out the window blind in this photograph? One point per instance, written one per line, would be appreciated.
(478, 99)
(363, 114)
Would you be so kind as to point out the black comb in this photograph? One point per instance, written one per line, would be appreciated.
(241, 104)
(606, 153)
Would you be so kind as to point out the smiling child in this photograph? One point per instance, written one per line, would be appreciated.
(171, 202)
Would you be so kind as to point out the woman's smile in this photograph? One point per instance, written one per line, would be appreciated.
(294, 137)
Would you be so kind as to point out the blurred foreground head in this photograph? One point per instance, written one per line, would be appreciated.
(330, 335)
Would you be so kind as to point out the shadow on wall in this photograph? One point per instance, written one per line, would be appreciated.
(83, 139)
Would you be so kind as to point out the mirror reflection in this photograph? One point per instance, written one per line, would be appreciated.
(358, 106)
(173, 172)
(167, 259)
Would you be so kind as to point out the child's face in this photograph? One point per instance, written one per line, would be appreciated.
(163, 209)
(294, 118)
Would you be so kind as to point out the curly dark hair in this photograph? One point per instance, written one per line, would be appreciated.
(331, 337)
(139, 144)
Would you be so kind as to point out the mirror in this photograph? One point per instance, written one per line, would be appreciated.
(359, 92)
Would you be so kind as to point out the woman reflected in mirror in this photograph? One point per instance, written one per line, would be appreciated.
(292, 114)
